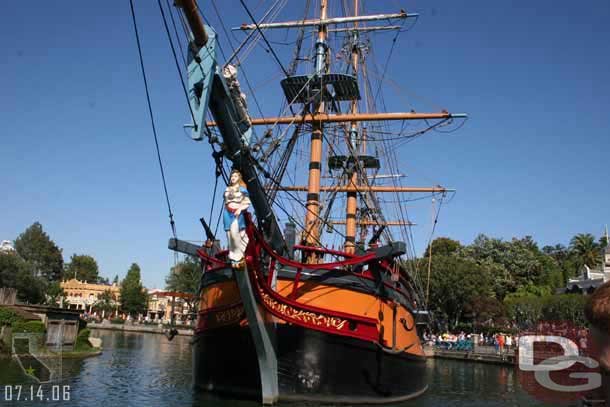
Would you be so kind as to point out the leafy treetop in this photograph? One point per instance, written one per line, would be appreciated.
(35, 247)
(82, 267)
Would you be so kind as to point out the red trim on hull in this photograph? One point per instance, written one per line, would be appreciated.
(290, 310)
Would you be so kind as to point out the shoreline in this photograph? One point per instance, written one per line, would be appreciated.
(63, 355)
(506, 359)
(137, 328)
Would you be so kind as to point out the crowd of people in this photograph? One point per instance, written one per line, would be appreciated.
(501, 341)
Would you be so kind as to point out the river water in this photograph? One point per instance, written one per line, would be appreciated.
(145, 370)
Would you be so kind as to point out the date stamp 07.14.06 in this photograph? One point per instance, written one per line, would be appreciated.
(18, 392)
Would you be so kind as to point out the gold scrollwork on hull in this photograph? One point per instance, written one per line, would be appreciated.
(307, 317)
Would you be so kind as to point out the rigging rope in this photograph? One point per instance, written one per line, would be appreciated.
(171, 43)
(406, 232)
(440, 205)
(171, 14)
(253, 94)
(264, 38)
(152, 121)
(299, 42)
(248, 45)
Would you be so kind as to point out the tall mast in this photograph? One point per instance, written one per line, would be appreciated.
(352, 197)
(320, 87)
(312, 237)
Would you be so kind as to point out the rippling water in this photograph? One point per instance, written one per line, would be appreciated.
(148, 370)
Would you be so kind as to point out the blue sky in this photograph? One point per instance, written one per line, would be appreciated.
(76, 150)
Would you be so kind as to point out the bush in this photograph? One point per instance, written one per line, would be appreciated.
(525, 310)
(84, 333)
(565, 307)
(9, 316)
(529, 309)
(36, 327)
(117, 321)
(82, 341)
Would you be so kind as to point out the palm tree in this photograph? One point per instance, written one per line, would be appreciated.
(584, 246)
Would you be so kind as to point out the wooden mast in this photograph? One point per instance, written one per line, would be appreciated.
(364, 217)
(352, 197)
(189, 8)
(317, 117)
(312, 237)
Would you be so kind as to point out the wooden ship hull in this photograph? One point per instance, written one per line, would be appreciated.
(339, 334)
(314, 366)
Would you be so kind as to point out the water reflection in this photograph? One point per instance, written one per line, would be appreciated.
(148, 370)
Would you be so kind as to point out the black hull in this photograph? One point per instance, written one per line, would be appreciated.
(312, 366)
(225, 363)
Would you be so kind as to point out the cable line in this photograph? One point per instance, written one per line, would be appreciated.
(264, 38)
(171, 15)
(171, 43)
(152, 121)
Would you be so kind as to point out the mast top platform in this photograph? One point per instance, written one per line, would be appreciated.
(324, 87)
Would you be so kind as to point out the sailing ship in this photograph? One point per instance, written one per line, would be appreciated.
(296, 318)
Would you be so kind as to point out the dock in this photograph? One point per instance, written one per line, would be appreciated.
(480, 354)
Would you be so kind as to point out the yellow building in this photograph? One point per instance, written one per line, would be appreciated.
(83, 295)
(160, 306)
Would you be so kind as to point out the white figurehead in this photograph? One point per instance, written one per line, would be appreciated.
(236, 201)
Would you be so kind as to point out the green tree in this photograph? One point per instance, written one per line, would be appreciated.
(443, 246)
(82, 267)
(551, 275)
(454, 283)
(584, 247)
(559, 252)
(516, 263)
(525, 309)
(565, 307)
(54, 293)
(566, 260)
(603, 243)
(105, 303)
(184, 277)
(133, 295)
(115, 280)
(19, 274)
(36, 248)
(485, 310)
